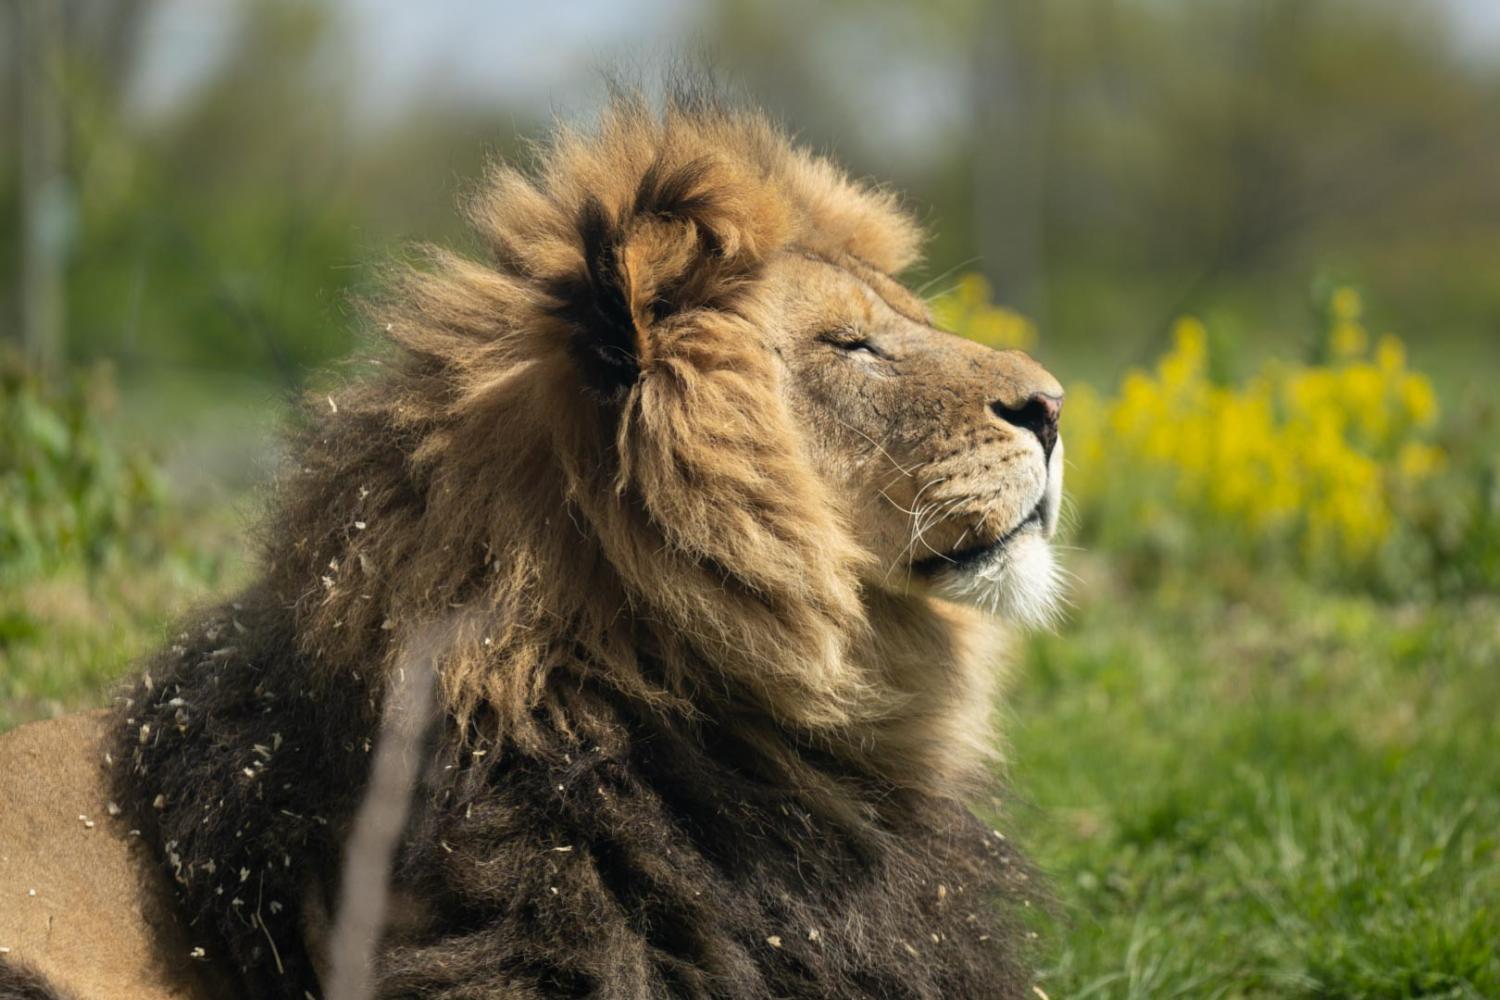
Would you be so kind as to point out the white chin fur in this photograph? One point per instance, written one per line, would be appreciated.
(1021, 584)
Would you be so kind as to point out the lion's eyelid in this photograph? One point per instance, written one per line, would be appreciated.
(851, 340)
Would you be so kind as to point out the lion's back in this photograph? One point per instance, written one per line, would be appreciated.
(80, 902)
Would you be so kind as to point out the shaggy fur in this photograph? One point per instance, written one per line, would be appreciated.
(20, 983)
(688, 746)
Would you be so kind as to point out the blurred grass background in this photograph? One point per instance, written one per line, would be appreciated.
(1259, 239)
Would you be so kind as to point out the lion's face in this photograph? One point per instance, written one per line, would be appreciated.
(945, 452)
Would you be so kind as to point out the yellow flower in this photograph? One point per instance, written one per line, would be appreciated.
(973, 290)
(1346, 305)
(1309, 457)
(1184, 365)
(968, 312)
(1390, 355)
(1348, 340)
(1418, 461)
(1190, 338)
(1419, 399)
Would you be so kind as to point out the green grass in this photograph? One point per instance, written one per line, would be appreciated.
(65, 638)
(1239, 784)
(1263, 790)
(105, 545)
(1273, 792)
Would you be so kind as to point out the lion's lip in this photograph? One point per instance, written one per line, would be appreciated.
(974, 554)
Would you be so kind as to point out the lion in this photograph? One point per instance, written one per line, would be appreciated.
(80, 896)
(718, 537)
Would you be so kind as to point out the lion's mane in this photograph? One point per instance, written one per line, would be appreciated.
(681, 752)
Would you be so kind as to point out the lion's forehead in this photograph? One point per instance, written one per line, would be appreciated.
(930, 374)
(859, 280)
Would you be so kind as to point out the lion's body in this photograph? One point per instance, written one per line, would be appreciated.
(634, 856)
(666, 489)
(81, 901)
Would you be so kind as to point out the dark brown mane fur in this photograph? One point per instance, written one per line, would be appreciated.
(675, 758)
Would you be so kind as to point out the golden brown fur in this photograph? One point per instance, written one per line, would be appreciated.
(685, 480)
(79, 901)
(710, 511)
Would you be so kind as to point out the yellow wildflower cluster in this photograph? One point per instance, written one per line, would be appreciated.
(967, 310)
(1316, 453)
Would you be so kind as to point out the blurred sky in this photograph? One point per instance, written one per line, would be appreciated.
(466, 50)
(547, 56)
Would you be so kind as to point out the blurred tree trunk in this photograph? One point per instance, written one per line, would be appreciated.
(44, 190)
(112, 33)
(1010, 109)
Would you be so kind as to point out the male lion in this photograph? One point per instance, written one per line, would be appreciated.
(710, 524)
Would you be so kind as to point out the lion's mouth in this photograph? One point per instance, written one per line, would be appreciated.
(975, 555)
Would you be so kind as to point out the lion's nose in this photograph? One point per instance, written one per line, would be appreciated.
(1038, 415)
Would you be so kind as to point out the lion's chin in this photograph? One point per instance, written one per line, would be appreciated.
(1020, 581)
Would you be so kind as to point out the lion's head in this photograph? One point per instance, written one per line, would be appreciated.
(943, 456)
(683, 433)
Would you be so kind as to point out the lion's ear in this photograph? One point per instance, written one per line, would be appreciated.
(689, 237)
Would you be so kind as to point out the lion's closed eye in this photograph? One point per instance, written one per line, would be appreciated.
(853, 342)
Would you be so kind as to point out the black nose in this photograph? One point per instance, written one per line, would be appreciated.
(1038, 415)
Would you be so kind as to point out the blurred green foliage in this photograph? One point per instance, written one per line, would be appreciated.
(232, 233)
(1110, 165)
(97, 552)
(69, 494)
(1107, 165)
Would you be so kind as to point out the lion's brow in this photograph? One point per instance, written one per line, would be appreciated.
(861, 272)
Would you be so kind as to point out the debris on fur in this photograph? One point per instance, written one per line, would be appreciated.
(597, 839)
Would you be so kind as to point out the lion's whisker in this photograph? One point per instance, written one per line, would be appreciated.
(922, 289)
(878, 446)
